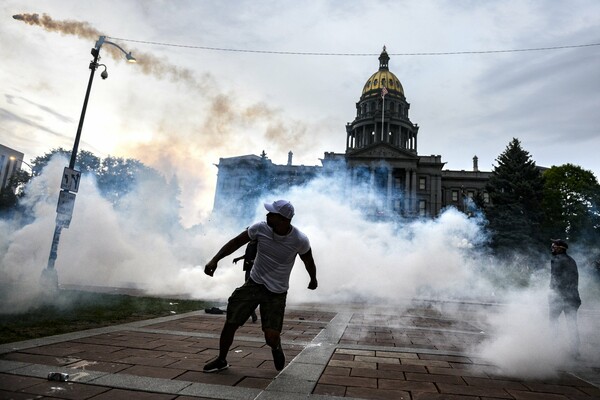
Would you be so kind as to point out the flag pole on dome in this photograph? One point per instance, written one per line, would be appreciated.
(384, 91)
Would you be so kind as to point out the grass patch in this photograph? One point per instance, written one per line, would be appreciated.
(73, 310)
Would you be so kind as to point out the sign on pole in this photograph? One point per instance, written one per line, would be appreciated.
(64, 208)
(66, 203)
(70, 180)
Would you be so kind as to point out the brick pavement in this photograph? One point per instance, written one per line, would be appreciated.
(420, 352)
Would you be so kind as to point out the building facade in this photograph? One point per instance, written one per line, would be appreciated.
(10, 163)
(381, 155)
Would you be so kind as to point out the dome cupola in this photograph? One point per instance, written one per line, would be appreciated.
(383, 78)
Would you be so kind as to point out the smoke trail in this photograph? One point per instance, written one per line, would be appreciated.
(199, 132)
(224, 115)
(82, 29)
(150, 65)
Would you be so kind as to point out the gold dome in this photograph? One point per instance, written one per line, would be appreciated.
(383, 78)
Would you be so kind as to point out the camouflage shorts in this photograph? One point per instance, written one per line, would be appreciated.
(250, 295)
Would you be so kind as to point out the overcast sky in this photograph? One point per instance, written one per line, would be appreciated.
(182, 107)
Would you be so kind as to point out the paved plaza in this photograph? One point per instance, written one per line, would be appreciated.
(416, 352)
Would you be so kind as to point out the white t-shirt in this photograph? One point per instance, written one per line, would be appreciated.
(275, 256)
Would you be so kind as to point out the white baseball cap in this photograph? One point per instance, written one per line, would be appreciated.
(281, 207)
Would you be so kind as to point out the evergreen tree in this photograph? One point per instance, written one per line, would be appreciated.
(516, 190)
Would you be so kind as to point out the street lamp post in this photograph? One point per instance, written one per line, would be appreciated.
(20, 160)
(13, 158)
(71, 177)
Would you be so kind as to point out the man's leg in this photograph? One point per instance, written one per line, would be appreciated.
(227, 335)
(554, 310)
(273, 340)
(239, 306)
(220, 363)
(253, 315)
(272, 310)
(571, 319)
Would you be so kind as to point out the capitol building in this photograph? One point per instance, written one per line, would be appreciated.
(381, 155)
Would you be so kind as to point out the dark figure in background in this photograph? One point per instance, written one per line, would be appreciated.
(278, 244)
(248, 257)
(564, 292)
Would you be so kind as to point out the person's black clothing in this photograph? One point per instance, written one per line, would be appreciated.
(249, 256)
(564, 279)
(564, 297)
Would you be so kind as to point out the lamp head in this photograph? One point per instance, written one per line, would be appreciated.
(104, 73)
(130, 58)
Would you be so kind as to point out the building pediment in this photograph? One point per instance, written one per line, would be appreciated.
(381, 150)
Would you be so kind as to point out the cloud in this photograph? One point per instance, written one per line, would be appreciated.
(10, 117)
(10, 99)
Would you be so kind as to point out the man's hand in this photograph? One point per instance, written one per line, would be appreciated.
(226, 250)
(210, 268)
(313, 284)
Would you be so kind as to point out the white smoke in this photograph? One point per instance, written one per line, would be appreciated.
(140, 244)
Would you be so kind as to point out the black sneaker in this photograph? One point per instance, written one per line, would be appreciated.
(216, 365)
(278, 358)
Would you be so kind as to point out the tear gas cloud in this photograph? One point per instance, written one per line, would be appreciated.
(141, 244)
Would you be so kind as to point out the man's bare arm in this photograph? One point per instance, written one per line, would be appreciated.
(226, 250)
(311, 268)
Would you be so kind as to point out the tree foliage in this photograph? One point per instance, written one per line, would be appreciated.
(516, 191)
(118, 176)
(10, 194)
(571, 204)
(85, 162)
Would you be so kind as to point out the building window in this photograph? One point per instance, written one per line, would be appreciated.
(374, 82)
(486, 197)
(455, 195)
(397, 205)
(422, 182)
(422, 210)
(470, 194)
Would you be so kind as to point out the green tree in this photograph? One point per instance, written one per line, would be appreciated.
(10, 194)
(118, 176)
(85, 162)
(571, 204)
(516, 191)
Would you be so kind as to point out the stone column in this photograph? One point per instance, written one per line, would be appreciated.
(407, 192)
(390, 200)
(414, 191)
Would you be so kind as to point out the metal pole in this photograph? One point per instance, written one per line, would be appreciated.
(49, 276)
(93, 66)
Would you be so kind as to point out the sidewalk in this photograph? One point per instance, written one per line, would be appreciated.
(332, 353)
